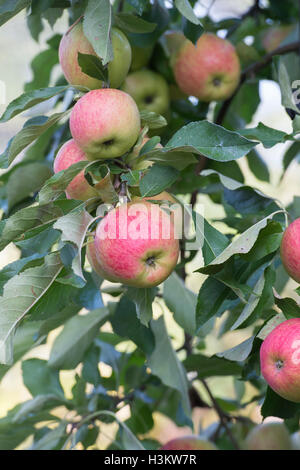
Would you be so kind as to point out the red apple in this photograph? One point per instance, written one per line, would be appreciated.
(135, 245)
(269, 436)
(79, 188)
(280, 359)
(105, 123)
(189, 443)
(290, 250)
(75, 41)
(209, 70)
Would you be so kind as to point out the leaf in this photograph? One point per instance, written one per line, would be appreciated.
(178, 160)
(41, 67)
(74, 227)
(31, 98)
(33, 176)
(92, 66)
(292, 152)
(240, 245)
(264, 134)
(97, 25)
(10, 8)
(143, 299)
(164, 363)
(157, 179)
(289, 307)
(50, 440)
(152, 119)
(40, 379)
(133, 24)
(258, 166)
(211, 366)
(285, 70)
(182, 302)
(214, 242)
(56, 185)
(38, 403)
(211, 296)
(69, 347)
(26, 219)
(125, 315)
(210, 140)
(103, 183)
(239, 352)
(31, 285)
(187, 11)
(274, 405)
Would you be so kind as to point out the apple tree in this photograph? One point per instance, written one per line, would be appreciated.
(185, 136)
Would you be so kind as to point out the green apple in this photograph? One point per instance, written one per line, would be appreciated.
(149, 90)
(269, 436)
(74, 41)
(140, 56)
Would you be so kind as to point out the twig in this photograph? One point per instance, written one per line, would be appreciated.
(222, 416)
(252, 70)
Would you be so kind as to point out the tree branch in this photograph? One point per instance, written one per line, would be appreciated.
(252, 70)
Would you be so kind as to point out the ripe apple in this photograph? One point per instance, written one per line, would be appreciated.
(79, 188)
(209, 70)
(290, 250)
(149, 90)
(273, 37)
(134, 244)
(105, 123)
(280, 359)
(269, 436)
(75, 41)
(189, 443)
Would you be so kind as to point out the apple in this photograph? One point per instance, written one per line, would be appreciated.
(140, 56)
(149, 90)
(280, 359)
(290, 250)
(209, 70)
(74, 41)
(79, 188)
(269, 436)
(189, 443)
(273, 37)
(105, 123)
(134, 244)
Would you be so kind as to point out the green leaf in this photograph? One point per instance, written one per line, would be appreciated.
(56, 185)
(31, 131)
(27, 100)
(41, 67)
(133, 24)
(164, 363)
(31, 285)
(52, 439)
(288, 306)
(214, 242)
(211, 366)
(125, 315)
(286, 70)
(143, 299)
(157, 179)
(211, 296)
(292, 152)
(264, 134)
(33, 176)
(25, 220)
(40, 379)
(38, 403)
(210, 140)
(274, 405)
(78, 333)
(152, 119)
(92, 66)
(258, 166)
(239, 352)
(97, 25)
(182, 302)
(187, 11)
(240, 245)
(74, 227)
(10, 8)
